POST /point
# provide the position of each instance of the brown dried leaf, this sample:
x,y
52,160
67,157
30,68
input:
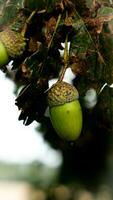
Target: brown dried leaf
x,y
78,66
24,73
49,29
68,21
97,23
32,101
33,44
70,7
59,6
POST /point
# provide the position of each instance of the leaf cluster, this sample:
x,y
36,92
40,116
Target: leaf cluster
x,y
45,25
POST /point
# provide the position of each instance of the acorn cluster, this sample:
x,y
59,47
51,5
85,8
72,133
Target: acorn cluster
x,y
64,106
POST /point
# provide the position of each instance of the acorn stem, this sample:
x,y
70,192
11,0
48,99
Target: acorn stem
x,y
66,58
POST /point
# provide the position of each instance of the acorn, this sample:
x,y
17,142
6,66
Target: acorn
x,y
4,58
65,110
12,44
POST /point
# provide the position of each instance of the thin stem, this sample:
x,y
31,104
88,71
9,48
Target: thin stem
x,y
66,58
110,1
23,32
57,23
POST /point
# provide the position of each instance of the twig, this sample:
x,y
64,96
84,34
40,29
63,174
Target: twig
x,y
23,32
66,58
57,23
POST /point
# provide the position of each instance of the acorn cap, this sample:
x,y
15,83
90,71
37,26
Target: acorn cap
x,y
61,93
13,41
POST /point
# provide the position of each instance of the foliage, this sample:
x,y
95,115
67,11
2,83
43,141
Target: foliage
x,y
46,24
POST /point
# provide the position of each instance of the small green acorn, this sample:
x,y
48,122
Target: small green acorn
x,y
65,110
4,58
12,44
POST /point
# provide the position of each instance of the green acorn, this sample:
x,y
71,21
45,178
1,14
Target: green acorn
x,y
4,58
12,44
65,110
